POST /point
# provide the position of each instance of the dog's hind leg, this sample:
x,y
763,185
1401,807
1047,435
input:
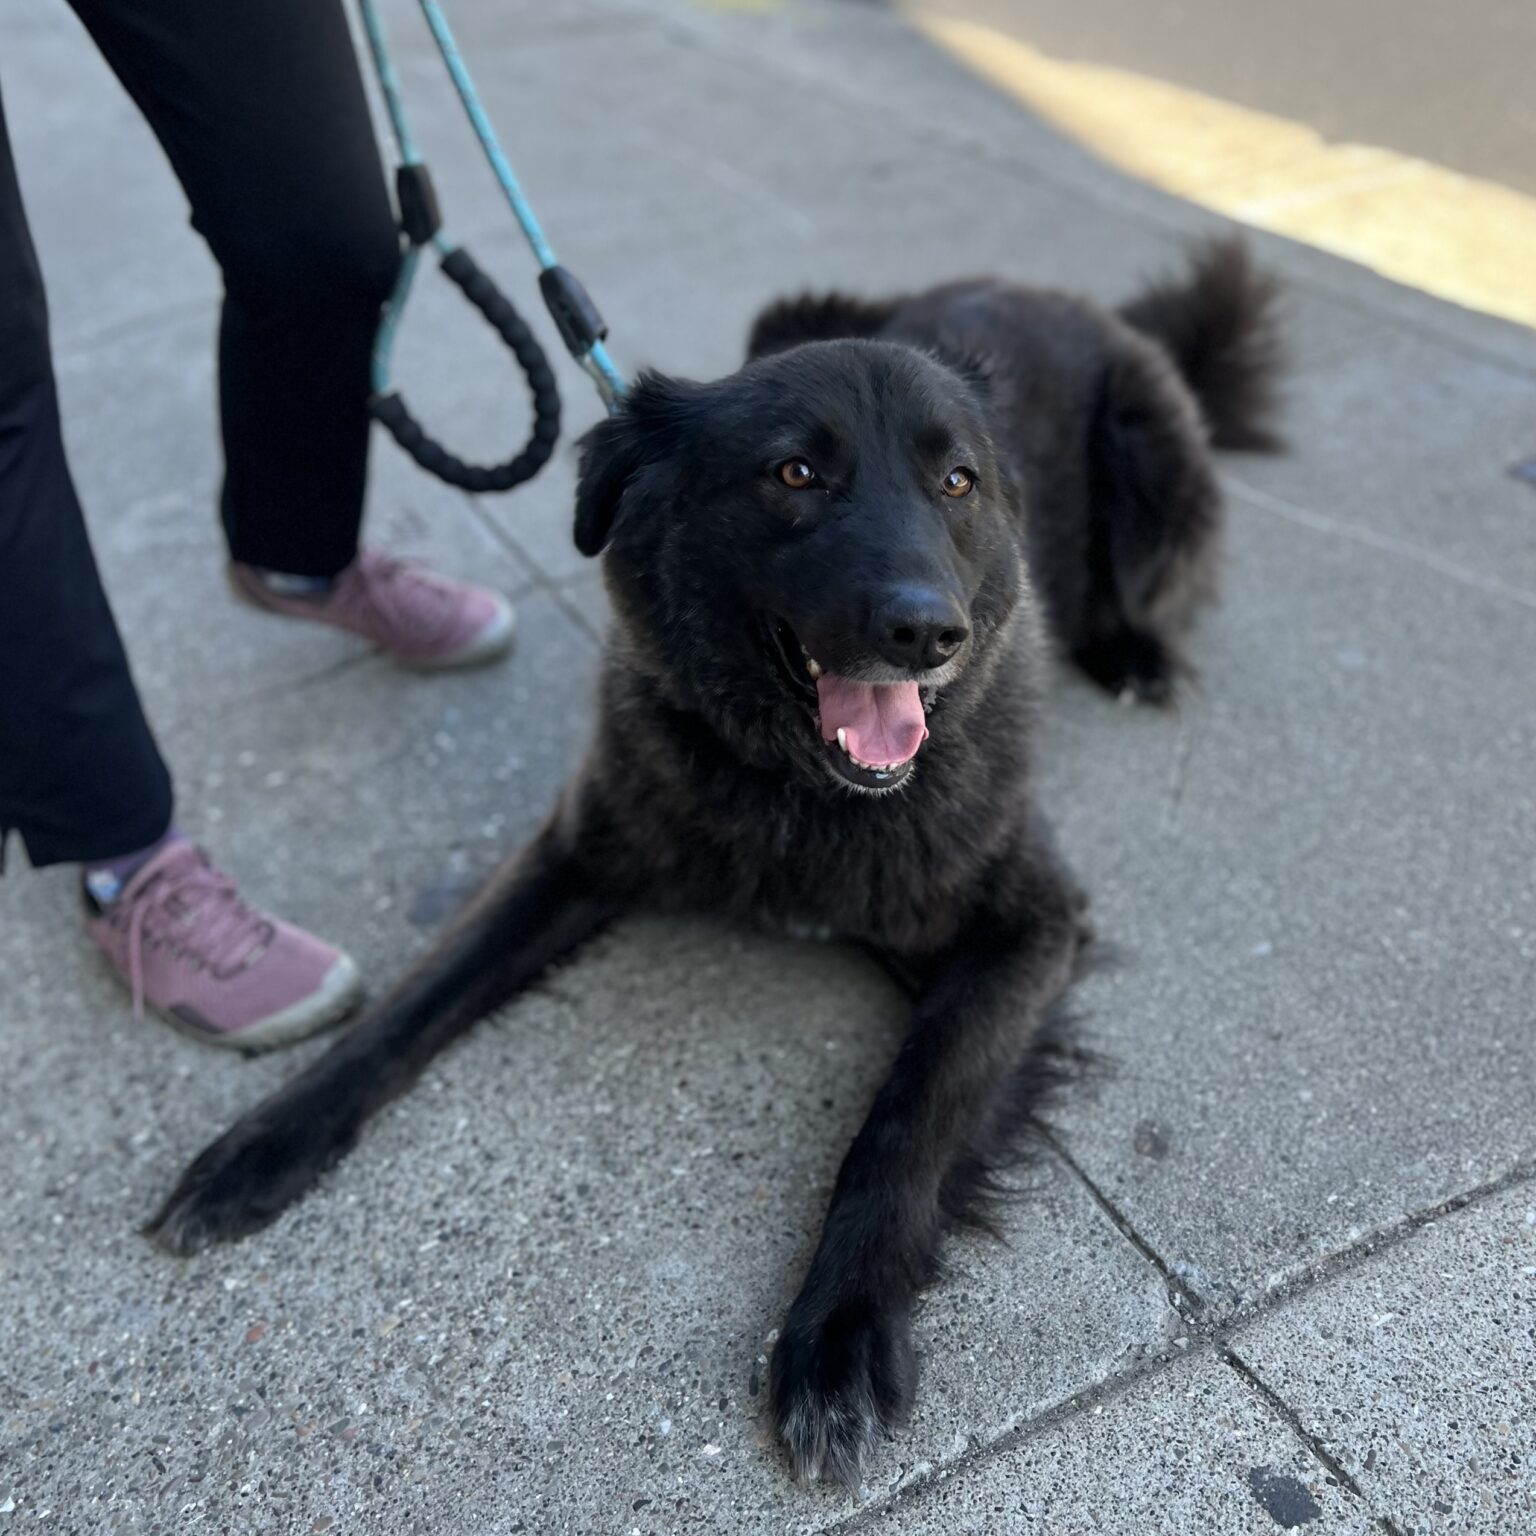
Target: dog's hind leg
x,y
844,1368
1133,664
1153,520
537,907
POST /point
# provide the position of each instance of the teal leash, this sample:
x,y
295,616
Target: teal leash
x,y
581,327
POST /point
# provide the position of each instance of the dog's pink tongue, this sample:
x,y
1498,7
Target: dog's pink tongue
x,y
882,722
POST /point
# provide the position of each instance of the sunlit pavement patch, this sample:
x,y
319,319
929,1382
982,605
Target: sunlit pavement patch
x,y
1458,237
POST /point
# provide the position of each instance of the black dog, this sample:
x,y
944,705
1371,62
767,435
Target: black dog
x,y
816,708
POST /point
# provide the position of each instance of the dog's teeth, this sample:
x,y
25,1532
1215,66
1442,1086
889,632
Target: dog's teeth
x,y
813,666
842,738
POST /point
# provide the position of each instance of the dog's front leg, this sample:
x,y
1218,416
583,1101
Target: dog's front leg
x,y
538,906
843,1368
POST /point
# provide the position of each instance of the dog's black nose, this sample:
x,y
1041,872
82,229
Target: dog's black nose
x,y
919,628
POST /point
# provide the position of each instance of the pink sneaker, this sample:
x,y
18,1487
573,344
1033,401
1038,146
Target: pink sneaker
x,y
414,615
182,939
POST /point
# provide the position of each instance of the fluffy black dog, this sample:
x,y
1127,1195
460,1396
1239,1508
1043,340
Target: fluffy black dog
x,y
833,574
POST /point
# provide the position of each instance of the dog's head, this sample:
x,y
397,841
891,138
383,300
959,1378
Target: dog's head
x,y
817,553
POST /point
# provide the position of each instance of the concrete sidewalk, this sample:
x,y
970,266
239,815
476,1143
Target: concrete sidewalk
x,y
1285,1276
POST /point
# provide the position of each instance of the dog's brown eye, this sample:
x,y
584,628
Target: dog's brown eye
x,y
959,482
796,474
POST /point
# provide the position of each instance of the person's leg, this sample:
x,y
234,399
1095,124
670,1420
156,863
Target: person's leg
x,y
81,779
261,111
80,776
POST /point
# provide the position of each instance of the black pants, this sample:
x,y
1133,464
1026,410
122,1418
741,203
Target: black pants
x,y
260,109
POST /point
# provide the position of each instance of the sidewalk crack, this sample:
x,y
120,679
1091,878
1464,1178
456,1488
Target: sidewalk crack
x,y
1096,1395
1320,522
542,580
1182,1296
1315,1447
1321,1270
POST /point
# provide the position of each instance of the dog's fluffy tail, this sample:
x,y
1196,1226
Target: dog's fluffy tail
x,y
816,317
1217,321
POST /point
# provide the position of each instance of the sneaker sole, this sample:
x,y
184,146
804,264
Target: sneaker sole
x,y
337,995
493,642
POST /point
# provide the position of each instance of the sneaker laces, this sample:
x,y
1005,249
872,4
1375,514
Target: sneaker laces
x,y
196,912
396,590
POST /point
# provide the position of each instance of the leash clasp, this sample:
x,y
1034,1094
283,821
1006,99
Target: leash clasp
x,y
570,306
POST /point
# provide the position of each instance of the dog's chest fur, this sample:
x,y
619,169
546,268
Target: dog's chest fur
x,y
704,831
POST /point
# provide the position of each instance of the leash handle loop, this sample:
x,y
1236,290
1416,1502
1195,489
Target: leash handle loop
x,y
581,327
387,408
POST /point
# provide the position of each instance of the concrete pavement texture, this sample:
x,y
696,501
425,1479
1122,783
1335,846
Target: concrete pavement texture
x,y
1282,1274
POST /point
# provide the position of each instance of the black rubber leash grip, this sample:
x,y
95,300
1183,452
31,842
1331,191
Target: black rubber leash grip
x,y
390,410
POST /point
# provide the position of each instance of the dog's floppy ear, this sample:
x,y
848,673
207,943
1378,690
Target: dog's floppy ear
x,y
610,459
649,426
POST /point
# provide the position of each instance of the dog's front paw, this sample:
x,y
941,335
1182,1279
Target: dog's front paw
x,y
841,1378
245,1179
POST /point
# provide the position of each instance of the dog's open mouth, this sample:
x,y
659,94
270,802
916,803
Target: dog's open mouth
x,y
870,732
